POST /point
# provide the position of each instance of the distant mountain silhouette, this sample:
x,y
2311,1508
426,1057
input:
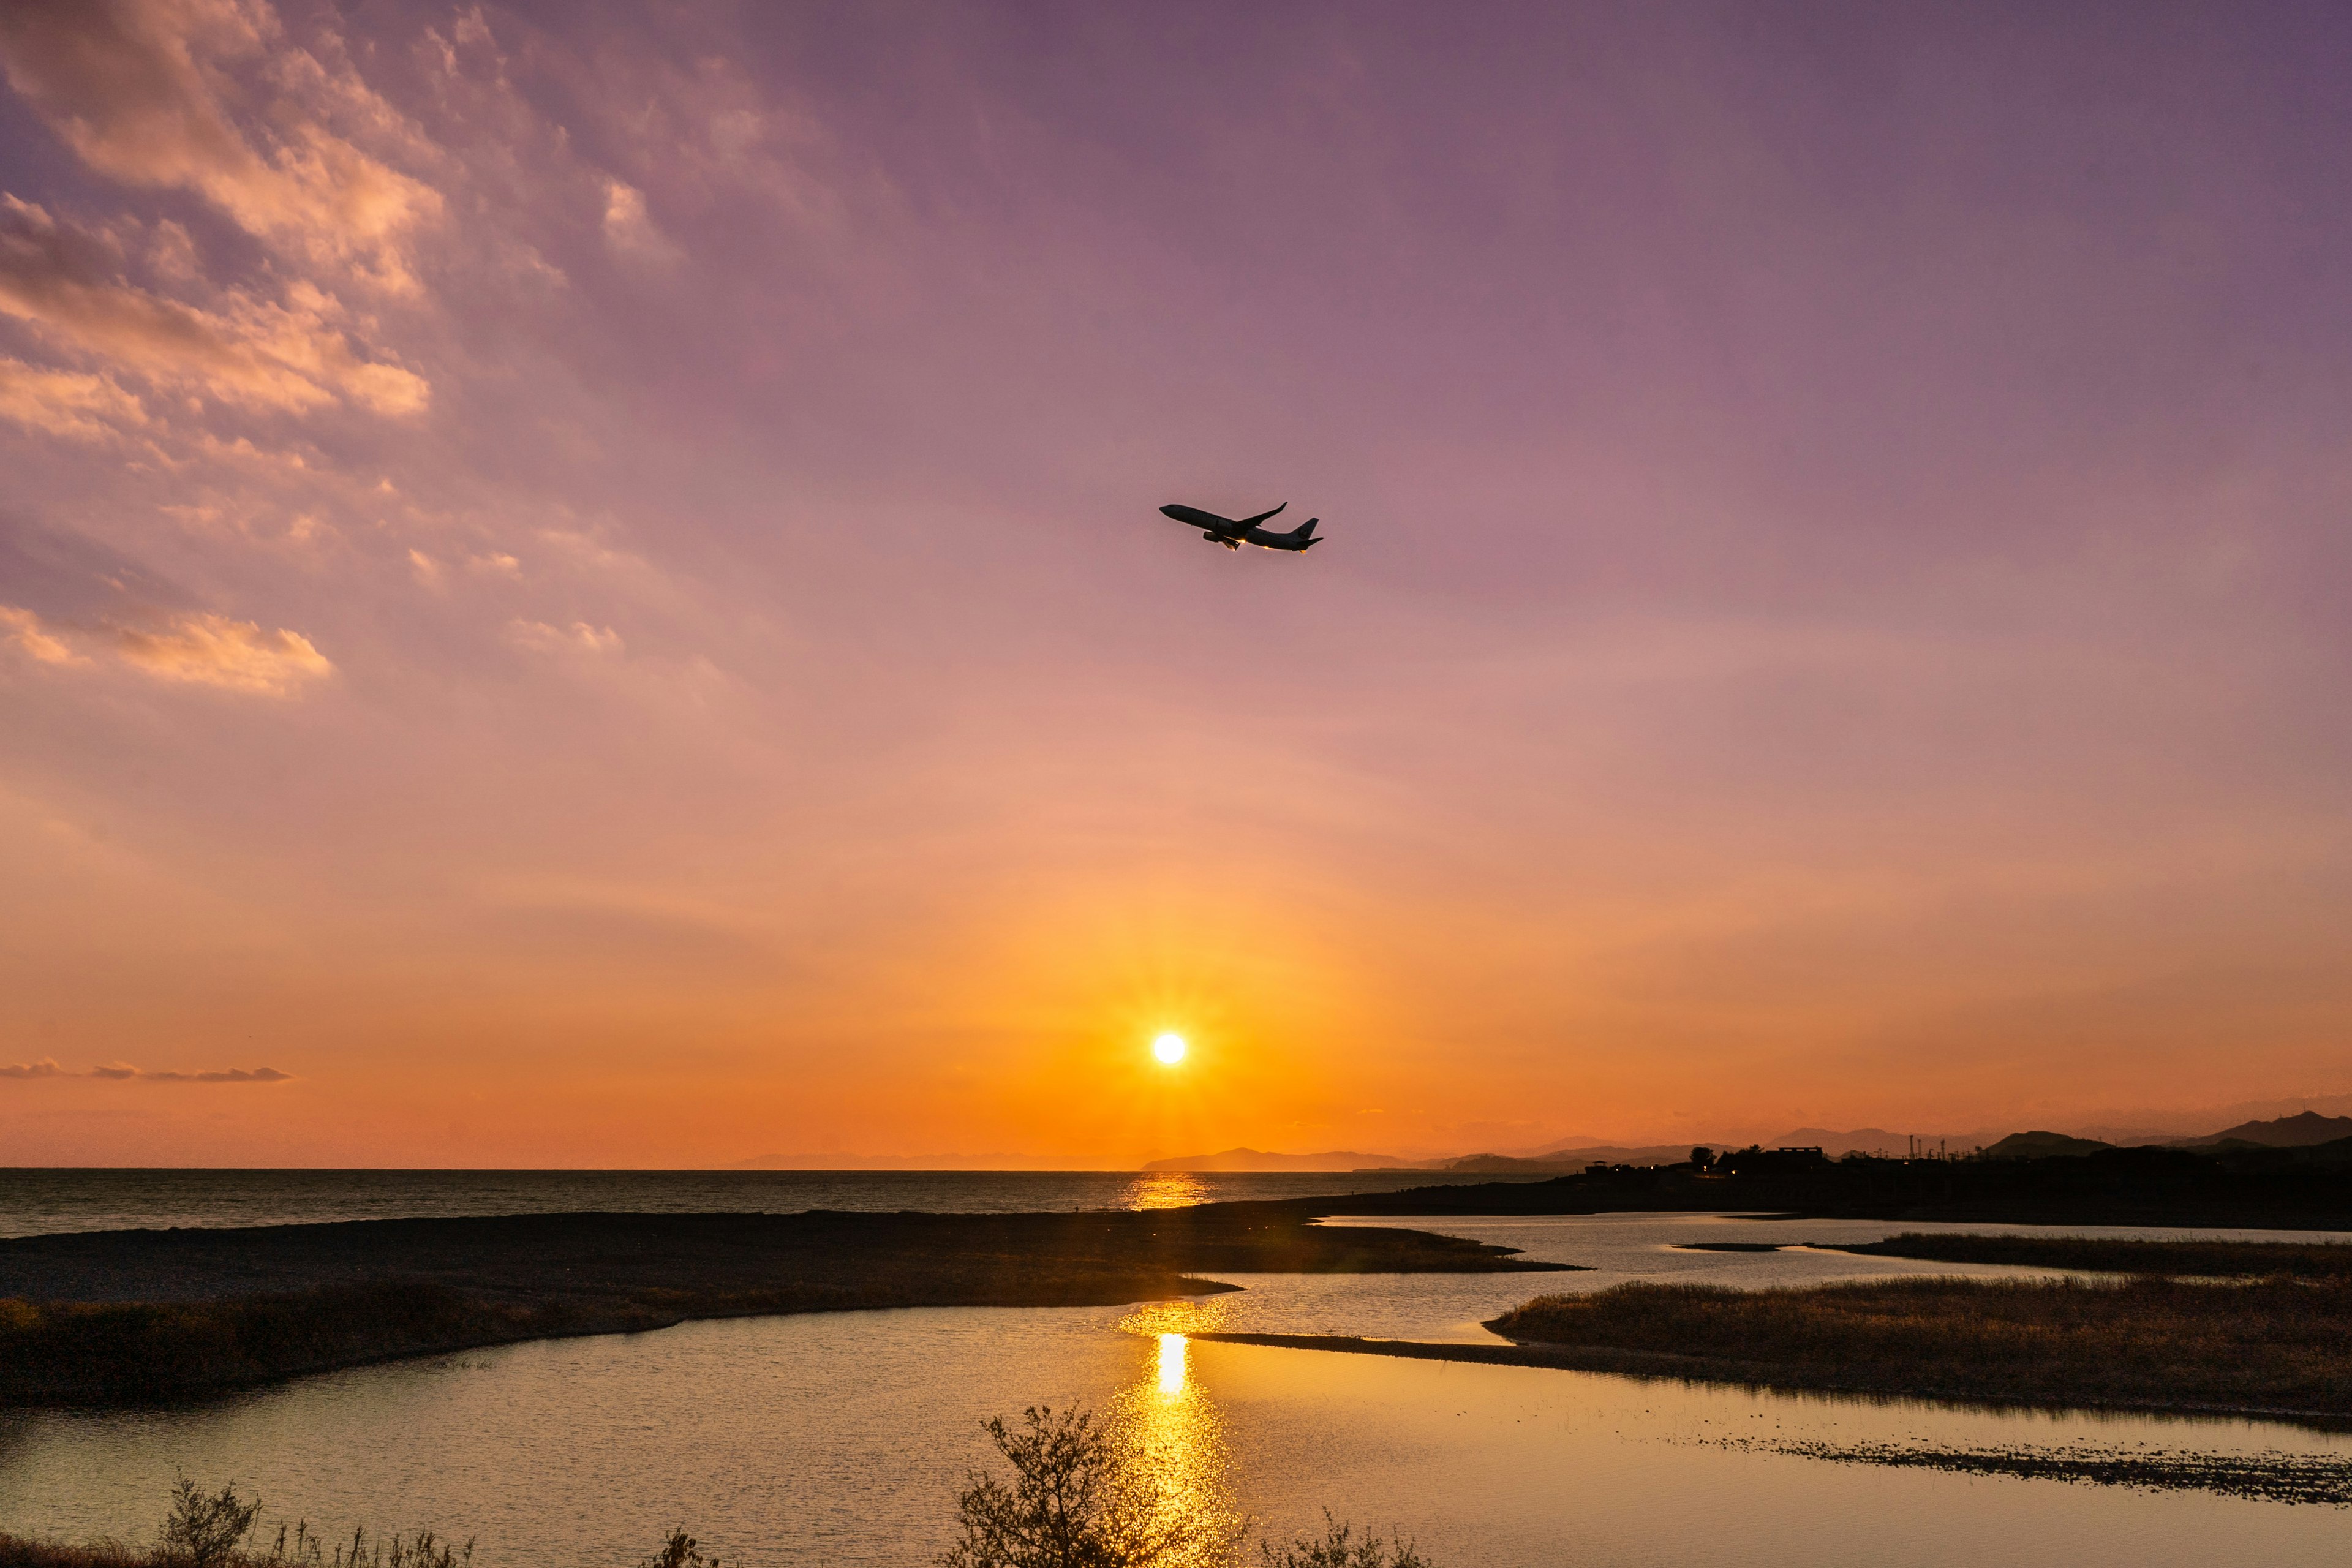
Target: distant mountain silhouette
x,y
2302,1131
1257,1160
1557,1147
2283,1132
2039,1145
1570,1159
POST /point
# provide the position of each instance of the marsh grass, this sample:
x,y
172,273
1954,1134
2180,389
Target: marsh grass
x,y
210,1530
2271,1345
141,1351
1070,1503
1339,1547
2317,1260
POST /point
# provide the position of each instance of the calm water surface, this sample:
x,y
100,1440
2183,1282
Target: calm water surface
x,y
35,1202
842,1439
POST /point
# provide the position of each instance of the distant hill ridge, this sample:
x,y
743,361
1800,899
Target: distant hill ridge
x,y
2302,1131
1259,1159
1567,1160
2282,1133
2040,1145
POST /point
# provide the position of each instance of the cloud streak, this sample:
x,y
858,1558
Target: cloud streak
x,y
122,1072
213,650
23,628
198,650
579,637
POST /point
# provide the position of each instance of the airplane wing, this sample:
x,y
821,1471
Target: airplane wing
x,y
1254,521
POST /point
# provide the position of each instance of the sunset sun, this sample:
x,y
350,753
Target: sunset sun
x,y
1169,1048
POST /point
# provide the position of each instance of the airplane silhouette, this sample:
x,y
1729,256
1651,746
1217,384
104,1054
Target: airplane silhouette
x,y
1234,533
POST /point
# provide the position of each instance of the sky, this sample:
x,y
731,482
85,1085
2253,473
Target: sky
x,y
580,585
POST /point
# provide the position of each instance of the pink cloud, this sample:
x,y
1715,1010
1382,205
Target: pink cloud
x,y
194,648
24,628
291,355
65,403
142,89
214,650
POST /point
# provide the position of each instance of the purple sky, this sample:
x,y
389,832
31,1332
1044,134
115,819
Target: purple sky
x,y
583,581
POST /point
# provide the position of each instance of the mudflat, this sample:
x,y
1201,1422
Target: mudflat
x,y
157,1314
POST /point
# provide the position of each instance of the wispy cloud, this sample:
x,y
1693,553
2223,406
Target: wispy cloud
x,y
291,355
630,230
122,1072
578,637
65,402
200,649
213,650
140,91
23,628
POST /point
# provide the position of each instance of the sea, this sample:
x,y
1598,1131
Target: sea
x,y
843,1438
43,1201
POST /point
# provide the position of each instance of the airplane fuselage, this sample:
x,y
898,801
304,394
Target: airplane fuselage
x,y
1233,533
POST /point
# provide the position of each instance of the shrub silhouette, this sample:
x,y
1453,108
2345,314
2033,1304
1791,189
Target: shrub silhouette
x,y
203,1530
1340,1548
1069,1506
679,1551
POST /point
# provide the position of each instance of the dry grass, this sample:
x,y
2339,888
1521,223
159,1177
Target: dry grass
x,y
293,1548
2318,1260
19,1551
2273,1345
136,1350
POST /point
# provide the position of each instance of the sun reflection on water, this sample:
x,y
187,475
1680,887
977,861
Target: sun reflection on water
x,y
1164,1190
1172,1364
1170,1433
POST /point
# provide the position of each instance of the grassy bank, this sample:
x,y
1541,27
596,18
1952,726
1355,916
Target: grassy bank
x,y
123,1316
75,1352
2149,1343
2106,1255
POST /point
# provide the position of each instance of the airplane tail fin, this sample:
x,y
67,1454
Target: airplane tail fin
x,y
1304,530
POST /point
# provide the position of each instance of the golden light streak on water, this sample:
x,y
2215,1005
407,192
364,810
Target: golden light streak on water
x,y
1165,1189
1173,1439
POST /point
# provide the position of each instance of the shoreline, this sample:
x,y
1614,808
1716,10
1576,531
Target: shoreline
x,y
141,1317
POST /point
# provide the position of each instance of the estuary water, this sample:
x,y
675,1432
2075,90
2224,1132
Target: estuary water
x,y
37,1202
842,1439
